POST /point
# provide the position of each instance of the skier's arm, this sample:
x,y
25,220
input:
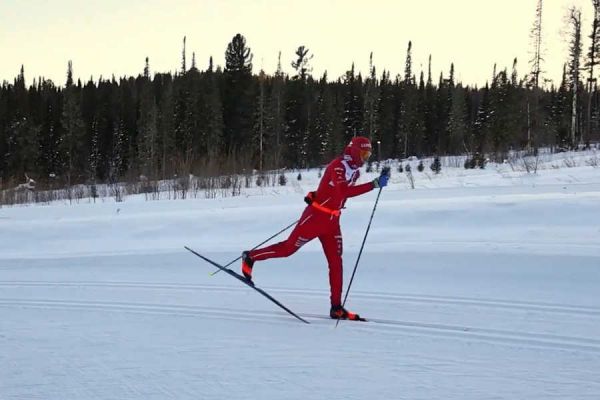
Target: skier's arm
x,y
352,191
379,182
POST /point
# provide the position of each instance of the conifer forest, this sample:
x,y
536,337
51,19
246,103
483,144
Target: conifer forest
x,y
208,120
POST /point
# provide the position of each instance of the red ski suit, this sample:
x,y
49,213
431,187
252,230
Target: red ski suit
x,y
337,184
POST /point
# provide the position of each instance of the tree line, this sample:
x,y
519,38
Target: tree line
x,y
216,120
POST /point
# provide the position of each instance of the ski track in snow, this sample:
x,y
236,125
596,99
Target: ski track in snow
x,y
477,285
497,303
375,325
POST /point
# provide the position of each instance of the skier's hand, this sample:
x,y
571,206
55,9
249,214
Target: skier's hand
x,y
310,197
382,180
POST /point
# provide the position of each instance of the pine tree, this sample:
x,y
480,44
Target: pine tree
x,y
430,138
183,58
593,59
73,135
94,156
181,136
386,115
166,124
212,116
408,76
22,132
276,118
407,135
239,97
443,107
499,121
302,63
117,158
371,102
260,120
457,123
125,128
533,109
321,136
421,116
481,123
575,50
88,113
147,128
538,57
194,127
560,112
49,160
3,122
298,110
353,105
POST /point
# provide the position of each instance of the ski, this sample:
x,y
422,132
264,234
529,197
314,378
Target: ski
x,y
247,283
360,319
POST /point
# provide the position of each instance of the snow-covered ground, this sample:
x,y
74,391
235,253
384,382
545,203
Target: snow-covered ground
x,y
480,284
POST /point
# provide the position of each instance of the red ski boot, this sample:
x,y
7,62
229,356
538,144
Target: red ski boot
x,y
247,264
339,312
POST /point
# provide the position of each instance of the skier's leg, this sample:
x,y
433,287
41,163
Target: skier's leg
x,y
303,232
333,248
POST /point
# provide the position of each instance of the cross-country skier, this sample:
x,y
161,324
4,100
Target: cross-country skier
x,y
321,219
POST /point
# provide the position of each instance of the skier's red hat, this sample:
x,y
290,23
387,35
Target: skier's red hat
x,y
358,151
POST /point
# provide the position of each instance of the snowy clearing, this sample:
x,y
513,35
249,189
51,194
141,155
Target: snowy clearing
x,y
479,284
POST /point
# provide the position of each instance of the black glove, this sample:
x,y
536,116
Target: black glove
x,y
310,197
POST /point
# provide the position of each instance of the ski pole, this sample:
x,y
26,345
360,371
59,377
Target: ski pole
x,y
257,246
385,171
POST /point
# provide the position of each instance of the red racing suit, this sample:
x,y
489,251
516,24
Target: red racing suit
x,y
337,185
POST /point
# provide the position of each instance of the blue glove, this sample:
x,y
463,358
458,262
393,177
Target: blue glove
x,y
382,180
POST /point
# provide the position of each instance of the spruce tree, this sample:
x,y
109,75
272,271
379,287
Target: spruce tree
x,y
430,138
353,105
574,65
166,124
322,130
276,110
238,95
482,122
560,114
593,59
298,110
457,124
371,102
386,109
147,128
73,134
22,147
212,116
499,122
260,121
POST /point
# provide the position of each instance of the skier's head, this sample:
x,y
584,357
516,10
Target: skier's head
x,y
358,151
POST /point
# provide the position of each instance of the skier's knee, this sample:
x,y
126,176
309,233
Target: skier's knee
x,y
290,249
